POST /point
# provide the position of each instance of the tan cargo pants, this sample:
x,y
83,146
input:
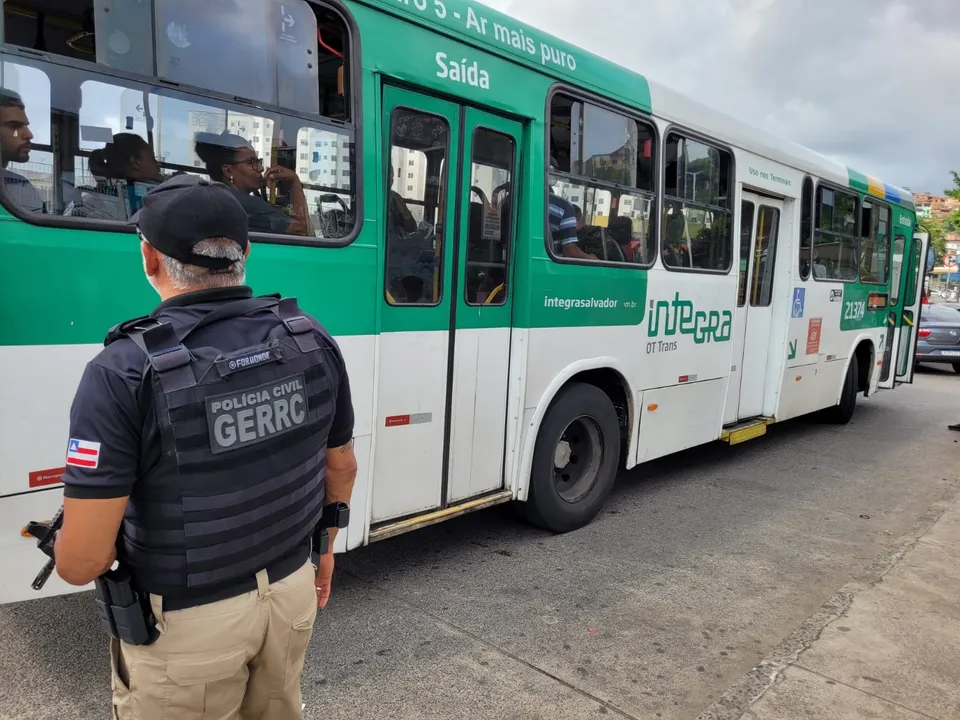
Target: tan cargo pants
x,y
237,659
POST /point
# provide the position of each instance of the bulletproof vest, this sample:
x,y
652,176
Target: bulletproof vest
x,y
240,480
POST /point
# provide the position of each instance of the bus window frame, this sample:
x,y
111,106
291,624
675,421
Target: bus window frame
x,y
877,203
734,193
754,242
813,223
354,73
638,116
894,290
510,249
917,275
452,134
816,209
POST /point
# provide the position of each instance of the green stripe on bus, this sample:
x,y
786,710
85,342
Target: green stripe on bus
x,y
580,296
858,181
861,183
64,287
492,30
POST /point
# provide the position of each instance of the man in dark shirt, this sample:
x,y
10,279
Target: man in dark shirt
x,y
242,469
15,145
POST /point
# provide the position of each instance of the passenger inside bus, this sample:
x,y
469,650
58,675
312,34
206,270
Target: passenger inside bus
x,y
819,269
128,157
408,253
231,160
676,251
564,222
400,218
620,230
15,137
124,170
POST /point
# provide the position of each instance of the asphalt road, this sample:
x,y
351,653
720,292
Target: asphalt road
x,y
698,568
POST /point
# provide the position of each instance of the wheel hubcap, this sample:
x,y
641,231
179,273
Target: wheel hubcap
x,y
577,459
562,457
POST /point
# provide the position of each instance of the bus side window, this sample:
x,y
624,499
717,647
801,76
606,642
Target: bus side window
x,y
290,54
806,227
746,240
416,187
100,143
490,221
874,243
697,207
835,237
899,245
601,184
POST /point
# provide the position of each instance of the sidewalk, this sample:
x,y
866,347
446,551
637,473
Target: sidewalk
x,y
894,652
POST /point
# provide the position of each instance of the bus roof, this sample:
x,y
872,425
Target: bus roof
x,y
501,34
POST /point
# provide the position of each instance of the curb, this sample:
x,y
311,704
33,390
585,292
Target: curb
x,y
736,701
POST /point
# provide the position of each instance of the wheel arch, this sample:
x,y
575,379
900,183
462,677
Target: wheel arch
x,y
863,351
605,373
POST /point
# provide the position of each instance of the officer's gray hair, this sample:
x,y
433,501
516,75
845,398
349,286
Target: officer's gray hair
x,y
192,277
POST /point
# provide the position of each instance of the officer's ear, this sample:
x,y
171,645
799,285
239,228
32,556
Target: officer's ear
x,y
247,253
151,259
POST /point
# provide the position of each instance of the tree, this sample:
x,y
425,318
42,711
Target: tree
x,y
938,240
938,228
951,223
954,192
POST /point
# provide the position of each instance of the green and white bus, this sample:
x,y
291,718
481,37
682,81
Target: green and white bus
x,y
719,279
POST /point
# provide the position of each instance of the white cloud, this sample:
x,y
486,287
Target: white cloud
x,y
871,83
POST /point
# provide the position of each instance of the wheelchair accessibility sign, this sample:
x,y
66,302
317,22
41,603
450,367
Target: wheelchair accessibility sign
x,y
799,297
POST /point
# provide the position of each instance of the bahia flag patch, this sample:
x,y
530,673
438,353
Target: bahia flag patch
x,y
83,453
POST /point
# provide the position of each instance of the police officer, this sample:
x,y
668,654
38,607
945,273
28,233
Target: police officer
x,y
205,440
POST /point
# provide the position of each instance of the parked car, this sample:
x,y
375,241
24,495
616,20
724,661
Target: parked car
x,y
938,340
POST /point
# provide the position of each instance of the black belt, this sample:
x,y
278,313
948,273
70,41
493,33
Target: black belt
x,y
284,567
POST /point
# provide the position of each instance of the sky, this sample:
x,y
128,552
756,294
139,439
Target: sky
x,y
870,83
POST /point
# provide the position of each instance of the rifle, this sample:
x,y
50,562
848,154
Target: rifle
x,y
46,534
124,612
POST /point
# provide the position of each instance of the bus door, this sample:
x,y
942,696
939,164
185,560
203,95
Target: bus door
x,y
753,320
899,270
444,344
916,273
899,280
484,305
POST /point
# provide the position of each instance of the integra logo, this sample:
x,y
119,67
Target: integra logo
x,y
671,317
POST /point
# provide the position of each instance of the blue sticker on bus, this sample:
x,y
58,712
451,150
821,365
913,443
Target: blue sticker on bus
x,y
799,296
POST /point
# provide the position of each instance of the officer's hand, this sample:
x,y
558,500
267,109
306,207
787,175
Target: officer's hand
x,y
324,579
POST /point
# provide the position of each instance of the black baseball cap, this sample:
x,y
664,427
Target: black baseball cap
x,y
185,210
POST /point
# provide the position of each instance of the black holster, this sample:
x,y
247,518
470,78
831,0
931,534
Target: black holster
x,y
335,515
124,611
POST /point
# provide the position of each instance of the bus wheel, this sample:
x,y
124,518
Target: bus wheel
x,y
841,413
575,460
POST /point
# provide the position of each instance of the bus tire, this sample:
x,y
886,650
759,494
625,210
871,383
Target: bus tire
x,y
956,367
575,459
842,412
